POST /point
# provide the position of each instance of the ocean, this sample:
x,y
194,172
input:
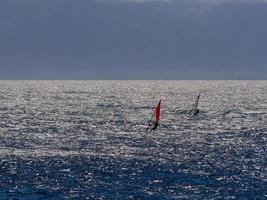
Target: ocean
x,y
87,140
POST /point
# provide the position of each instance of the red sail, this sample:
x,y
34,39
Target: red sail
x,y
157,111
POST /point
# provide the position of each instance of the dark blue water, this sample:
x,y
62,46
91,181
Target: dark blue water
x,y
86,140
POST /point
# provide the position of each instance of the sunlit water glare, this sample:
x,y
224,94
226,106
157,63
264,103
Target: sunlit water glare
x,y
87,140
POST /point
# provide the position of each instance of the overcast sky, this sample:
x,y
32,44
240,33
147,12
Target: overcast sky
x,y
133,39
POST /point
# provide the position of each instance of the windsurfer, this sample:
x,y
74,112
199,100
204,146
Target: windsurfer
x,y
154,122
152,126
195,109
195,112
155,126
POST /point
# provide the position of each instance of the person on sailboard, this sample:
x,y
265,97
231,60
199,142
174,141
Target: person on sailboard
x,y
195,109
155,126
154,122
152,126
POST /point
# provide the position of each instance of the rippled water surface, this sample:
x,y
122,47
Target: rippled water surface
x,y
87,140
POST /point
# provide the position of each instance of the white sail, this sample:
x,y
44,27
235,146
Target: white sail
x,y
195,109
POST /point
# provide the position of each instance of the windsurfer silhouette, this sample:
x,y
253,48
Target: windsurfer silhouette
x,y
152,126
154,122
195,109
195,112
155,126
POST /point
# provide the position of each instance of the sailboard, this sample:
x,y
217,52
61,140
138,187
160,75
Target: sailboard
x,y
195,109
154,121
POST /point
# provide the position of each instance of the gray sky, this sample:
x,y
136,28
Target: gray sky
x,y
133,39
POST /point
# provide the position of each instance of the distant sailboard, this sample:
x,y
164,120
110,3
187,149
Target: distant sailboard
x,y
195,109
154,122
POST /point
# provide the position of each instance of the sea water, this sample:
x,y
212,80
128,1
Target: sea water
x,y
87,140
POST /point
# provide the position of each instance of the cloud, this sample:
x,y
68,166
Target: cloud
x,y
171,39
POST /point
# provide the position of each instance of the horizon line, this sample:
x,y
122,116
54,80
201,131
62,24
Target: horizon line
x,y
133,79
